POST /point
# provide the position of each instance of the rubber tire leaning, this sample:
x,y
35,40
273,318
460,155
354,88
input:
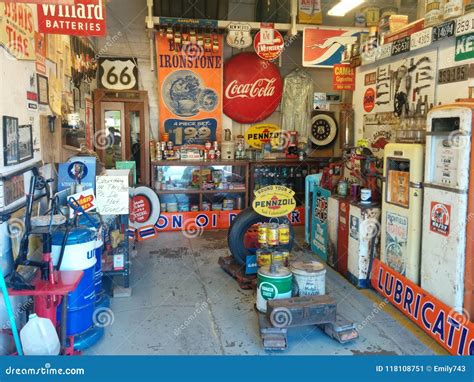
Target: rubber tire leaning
x,y
242,222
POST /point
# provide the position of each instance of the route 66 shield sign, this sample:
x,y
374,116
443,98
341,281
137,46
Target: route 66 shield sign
x,y
118,73
238,35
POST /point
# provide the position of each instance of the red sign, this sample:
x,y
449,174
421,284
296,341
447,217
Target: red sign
x,y
269,49
440,218
252,88
369,100
141,208
452,330
343,77
43,1
83,18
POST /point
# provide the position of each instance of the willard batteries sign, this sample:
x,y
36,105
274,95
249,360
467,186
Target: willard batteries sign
x,y
83,18
190,91
274,201
252,88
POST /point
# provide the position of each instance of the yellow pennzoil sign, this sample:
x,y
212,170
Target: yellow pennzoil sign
x,y
274,201
257,135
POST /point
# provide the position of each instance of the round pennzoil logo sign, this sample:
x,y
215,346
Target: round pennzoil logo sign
x,y
440,218
274,201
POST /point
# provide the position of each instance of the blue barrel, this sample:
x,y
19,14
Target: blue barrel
x,y
79,255
99,245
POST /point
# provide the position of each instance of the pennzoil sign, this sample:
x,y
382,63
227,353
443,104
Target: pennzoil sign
x,y
257,135
274,201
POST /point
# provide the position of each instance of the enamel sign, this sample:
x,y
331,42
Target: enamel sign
x,y
274,201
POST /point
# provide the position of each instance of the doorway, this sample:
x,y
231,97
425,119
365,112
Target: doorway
x,y
122,129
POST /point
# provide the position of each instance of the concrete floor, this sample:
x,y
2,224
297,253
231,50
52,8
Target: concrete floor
x,y
184,303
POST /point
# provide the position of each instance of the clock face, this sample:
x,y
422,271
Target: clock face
x,y
323,130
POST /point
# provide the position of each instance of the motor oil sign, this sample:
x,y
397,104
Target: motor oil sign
x,y
17,31
274,201
440,218
257,135
396,243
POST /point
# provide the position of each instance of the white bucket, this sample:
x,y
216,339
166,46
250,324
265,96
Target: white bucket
x,y
310,277
79,253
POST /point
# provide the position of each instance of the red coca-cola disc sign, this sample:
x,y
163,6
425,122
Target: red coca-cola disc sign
x,y
252,88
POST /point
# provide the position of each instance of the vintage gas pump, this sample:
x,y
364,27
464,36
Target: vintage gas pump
x,y
316,215
402,205
448,207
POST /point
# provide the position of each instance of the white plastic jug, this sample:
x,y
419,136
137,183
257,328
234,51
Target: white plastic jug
x,y
39,337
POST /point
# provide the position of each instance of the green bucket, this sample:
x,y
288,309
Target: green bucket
x,y
273,284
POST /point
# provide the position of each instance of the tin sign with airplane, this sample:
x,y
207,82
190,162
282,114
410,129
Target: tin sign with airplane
x,y
323,48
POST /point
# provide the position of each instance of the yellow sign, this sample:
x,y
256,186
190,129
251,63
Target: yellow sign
x,y
257,135
17,33
274,201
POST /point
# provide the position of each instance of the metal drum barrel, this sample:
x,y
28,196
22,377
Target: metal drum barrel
x,y
99,244
79,255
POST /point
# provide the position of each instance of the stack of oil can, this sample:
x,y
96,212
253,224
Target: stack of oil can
x,y
270,237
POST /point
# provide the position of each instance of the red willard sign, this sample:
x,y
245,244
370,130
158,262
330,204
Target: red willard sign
x,y
252,88
83,18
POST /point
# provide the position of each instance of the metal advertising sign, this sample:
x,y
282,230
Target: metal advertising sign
x,y
274,201
343,77
396,244
324,47
83,18
440,218
190,92
269,50
452,330
257,135
238,35
252,88
17,30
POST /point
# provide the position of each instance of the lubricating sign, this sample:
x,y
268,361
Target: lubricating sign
x,y
452,330
83,18
257,135
343,77
274,201
269,50
190,91
440,218
252,88
17,31
369,100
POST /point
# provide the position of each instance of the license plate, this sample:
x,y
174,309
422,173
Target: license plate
x,y
385,51
465,24
453,74
444,30
401,46
421,39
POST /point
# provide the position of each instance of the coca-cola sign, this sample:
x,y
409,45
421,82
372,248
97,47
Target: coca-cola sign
x,y
252,88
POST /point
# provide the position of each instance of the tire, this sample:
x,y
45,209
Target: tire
x,y
238,228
